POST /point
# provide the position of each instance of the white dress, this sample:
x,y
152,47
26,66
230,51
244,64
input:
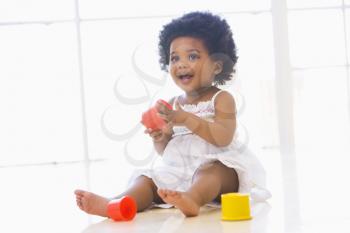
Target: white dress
x,y
186,151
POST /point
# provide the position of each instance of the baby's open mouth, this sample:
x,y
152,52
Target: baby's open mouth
x,y
185,77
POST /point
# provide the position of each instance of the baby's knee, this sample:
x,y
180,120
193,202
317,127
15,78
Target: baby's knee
x,y
210,166
205,169
145,179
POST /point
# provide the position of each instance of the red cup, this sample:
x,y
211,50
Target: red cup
x,y
151,120
123,209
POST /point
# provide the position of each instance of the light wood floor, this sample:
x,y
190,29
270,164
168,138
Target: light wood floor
x,y
172,220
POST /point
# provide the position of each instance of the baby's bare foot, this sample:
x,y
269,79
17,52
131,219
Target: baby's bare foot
x,y
180,200
91,203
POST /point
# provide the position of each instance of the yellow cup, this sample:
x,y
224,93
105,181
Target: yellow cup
x,y
235,206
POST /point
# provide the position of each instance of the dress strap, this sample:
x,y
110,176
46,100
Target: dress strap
x,y
215,95
176,99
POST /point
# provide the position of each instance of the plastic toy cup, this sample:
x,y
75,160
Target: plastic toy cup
x,y
123,209
235,207
151,120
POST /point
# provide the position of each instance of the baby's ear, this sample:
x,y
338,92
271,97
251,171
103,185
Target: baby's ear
x,y
218,67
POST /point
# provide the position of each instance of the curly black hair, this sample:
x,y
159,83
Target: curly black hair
x,y
215,33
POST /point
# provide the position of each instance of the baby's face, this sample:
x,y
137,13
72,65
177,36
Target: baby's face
x,y
190,65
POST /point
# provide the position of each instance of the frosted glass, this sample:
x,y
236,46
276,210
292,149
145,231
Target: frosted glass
x,y
24,10
118,66
110,8
40,102
313,3
40,196
253,36
347,17
321,111
254,80
322,134
316,38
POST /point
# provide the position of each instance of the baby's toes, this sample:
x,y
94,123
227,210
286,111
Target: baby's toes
x,y
79,204
79,193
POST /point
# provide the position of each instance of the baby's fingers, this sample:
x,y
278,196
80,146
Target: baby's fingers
x,y
163,116
162,108
155,134
148,131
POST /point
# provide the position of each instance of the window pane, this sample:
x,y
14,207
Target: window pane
x,y
104,173
111,8
316,38
255,76
347,15
322,139
312,3
39,94
321,111
253,37
22,10
41,192
108,57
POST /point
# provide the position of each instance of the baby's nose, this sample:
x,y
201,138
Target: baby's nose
x,y
182,64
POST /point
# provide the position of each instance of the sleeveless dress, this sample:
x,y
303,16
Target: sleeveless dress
x,y
186,152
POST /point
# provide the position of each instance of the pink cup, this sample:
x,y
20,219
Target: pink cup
x,y
151,120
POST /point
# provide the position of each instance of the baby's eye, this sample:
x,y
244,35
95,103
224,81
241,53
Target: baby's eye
x,y
193,57
174,59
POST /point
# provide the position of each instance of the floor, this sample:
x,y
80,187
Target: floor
x,y
171,220
40,199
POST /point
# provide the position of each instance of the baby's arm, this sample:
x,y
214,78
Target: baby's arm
x,y
219,132
160,140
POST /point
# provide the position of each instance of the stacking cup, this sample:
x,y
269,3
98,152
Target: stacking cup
x,y
151,120
123,209
235,207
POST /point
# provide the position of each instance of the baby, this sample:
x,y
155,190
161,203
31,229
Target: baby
x,y
201,157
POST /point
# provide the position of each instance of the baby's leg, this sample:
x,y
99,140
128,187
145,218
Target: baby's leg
x,y
209,182
143,190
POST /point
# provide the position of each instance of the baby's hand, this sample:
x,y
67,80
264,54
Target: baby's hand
x,y
160,134
173,117
156,135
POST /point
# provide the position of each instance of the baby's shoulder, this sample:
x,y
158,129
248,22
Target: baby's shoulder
x,y
222,95
223,99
